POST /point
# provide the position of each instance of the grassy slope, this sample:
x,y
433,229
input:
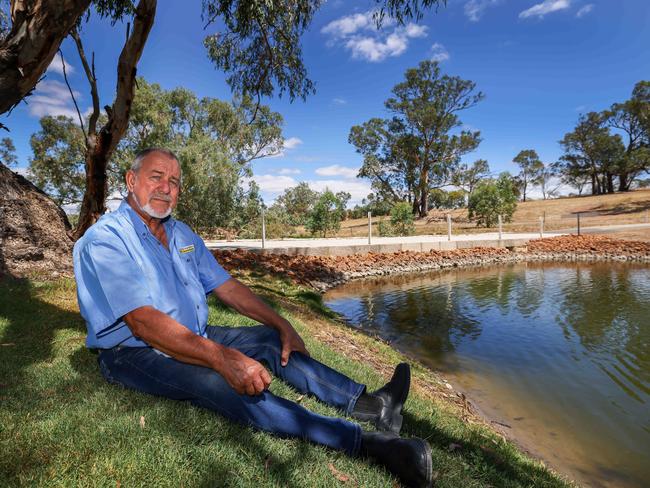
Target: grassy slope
x,y
62,424
618,208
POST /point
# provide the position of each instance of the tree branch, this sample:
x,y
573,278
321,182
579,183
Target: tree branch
x,y
74,100
90,75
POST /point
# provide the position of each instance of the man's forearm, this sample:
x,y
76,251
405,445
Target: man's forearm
x,y
243,300
159,330
164,333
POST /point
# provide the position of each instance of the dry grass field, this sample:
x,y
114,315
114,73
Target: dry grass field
x,y
559,214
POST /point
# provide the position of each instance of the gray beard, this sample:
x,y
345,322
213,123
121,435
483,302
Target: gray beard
x,y
149,210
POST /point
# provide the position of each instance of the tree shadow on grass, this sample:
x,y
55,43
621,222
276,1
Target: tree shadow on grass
x,y
29,339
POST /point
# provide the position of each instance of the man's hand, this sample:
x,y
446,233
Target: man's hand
x,y
291,341
245,375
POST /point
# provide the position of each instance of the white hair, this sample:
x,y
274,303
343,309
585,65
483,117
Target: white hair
x,y
137,162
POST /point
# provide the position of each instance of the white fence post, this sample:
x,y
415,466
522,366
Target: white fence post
x,y
500,228
263,230
369,228
449,227
541,227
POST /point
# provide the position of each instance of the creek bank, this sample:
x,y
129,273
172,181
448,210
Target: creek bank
x,y
324,272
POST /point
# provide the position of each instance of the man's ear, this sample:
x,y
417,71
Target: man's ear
x,y
130,180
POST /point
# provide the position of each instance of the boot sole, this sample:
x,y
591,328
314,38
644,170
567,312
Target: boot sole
x,y
397,419
429,479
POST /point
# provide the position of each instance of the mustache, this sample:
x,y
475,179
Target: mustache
x,y
160,196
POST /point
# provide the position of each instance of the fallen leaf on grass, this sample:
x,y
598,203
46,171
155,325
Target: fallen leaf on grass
x,y
337,474
299,399
8,344
142,421
453,447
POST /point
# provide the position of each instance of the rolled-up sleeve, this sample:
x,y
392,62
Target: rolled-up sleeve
x,y
110,284
211,273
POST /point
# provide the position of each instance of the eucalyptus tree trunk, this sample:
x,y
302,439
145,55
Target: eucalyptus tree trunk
x,y
101,145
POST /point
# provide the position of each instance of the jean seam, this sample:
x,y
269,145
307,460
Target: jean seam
x,y
135,366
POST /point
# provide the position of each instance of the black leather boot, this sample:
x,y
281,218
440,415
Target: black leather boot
x,y
407,459
384,406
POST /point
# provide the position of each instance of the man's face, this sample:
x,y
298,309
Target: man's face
x,y
156,185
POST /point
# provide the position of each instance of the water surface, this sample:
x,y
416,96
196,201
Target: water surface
x,y
560,353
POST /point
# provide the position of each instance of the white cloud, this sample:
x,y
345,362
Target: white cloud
x,y
337,170
585,10
339,101
474,9
289,171
358,34
56,66
292,143
415,30
52,98
358,189
274,183
546,7
349,25
439,53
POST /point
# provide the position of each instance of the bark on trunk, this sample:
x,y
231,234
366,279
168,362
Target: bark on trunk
x,y
101,149
38,27
610,183
623,183
594,185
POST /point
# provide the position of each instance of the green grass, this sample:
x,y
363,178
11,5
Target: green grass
x,y
61,424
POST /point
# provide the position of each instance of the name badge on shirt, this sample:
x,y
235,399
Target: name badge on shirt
x,y
186,249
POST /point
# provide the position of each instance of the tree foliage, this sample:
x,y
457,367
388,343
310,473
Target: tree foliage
x,y
326,215
7,152
492,198
467,177
416,150
214,140
592,150
297,202
609,150
401,219
530,168
57,164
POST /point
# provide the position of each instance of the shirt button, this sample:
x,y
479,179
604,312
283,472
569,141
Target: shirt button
x,y
197,307
188,260
186,283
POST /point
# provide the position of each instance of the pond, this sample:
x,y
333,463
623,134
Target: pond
x,y
559,353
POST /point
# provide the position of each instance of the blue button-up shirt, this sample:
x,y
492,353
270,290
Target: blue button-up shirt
x,y
119,266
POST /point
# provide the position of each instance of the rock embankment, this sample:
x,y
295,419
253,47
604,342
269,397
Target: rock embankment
x,y
323,272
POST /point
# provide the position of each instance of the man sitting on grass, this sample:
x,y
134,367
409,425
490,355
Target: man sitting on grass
x,y
142,281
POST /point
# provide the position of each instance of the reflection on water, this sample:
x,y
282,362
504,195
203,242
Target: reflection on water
x,y
561,353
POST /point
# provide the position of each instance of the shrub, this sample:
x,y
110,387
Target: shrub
x,y
493,198
401,219
326,215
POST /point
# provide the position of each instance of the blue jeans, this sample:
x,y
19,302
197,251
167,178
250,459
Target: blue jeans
x,y
145,370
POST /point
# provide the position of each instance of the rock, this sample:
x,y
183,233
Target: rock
x,y
34,230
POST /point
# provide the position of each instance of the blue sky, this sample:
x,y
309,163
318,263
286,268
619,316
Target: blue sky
x,y
540,64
